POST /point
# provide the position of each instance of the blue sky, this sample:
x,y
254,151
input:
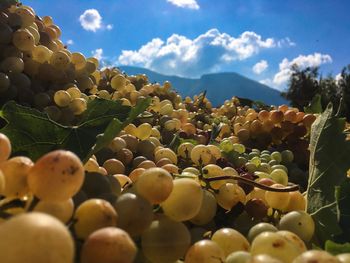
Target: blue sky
x,y
259,39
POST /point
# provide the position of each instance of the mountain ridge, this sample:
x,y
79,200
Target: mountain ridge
x,y
219,86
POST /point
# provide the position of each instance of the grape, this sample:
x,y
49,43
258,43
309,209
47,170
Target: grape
x,y
260,228
63,211
165,241
294,239
78,60
114,166
276,116
108,244
211,171
240,148
200,155
204,251
229,195
62,98
184,201
5,33
117,144
15,171
215,151
27,16
23,40
226,145
256,208
274,245
276,156
277,200
35,238
118,82
296,202
317,256
298,222
184,150
4,82
59,60
12,64
78,106
96,184
279,166
155,185
135,213
279,176
5,148
207,210
165,153
146,148
93,214
41,100
344,258
56,176
287,156
264,259
230,240
238,257
53,112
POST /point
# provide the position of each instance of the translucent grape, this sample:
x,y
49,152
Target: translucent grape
x,y
260,228
230,240
207,210
62,98
229,195
204,251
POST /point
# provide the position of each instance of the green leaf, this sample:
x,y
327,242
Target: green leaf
x,y
342,195
33,134
329,162
315,105
335,248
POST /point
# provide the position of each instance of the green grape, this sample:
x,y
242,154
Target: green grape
x,y
207,210
230,240
165,241
266,156
279,166
63,211
287,156
256,161
318,256
279,176
135,213
23,40
92,215
229,195
238,257
204,251
12,64
226,145
240,148
298,222
155,185
4,82
251,168
109,244
260,228
264,167
62,98
272,163
28,237
177,205
77,105
277,156
276,246
56,176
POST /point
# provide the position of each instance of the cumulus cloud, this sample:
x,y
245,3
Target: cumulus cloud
x,y
285,42
98,53
260,67
91,20
190,4
302,61
182,56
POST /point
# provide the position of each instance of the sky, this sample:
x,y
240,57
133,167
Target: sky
x,y
260,39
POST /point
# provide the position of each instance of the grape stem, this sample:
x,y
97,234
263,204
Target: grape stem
x,y
289,188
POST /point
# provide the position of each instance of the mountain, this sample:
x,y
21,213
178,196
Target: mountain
x,y
219,86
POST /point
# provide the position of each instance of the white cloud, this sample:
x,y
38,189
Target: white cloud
x,y
260,67
191,4
267,82
182,56
109,27
286,42
98,53
302,61
338,78
70,42
91,20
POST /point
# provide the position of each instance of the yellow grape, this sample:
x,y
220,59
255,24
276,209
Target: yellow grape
x,y
165,153
93,214
78,60
184,150
78,106
205,251
63,211
108,245
155,185
201,155
35,238
277,200
118,82
165,240
318,256
5,147
207,210
62,98
59,60
56,176
23,40
229,195
211,171
177,206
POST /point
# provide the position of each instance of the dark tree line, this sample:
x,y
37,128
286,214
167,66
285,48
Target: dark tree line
x,y
304,84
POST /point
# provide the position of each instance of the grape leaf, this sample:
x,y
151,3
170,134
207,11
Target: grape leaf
x,y
315,105
335,248
329,162
33,134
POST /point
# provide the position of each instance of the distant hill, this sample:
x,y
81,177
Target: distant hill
x,y
219,86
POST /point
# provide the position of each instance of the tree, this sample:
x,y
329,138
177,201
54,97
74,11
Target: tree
x,y
303,86
344,84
